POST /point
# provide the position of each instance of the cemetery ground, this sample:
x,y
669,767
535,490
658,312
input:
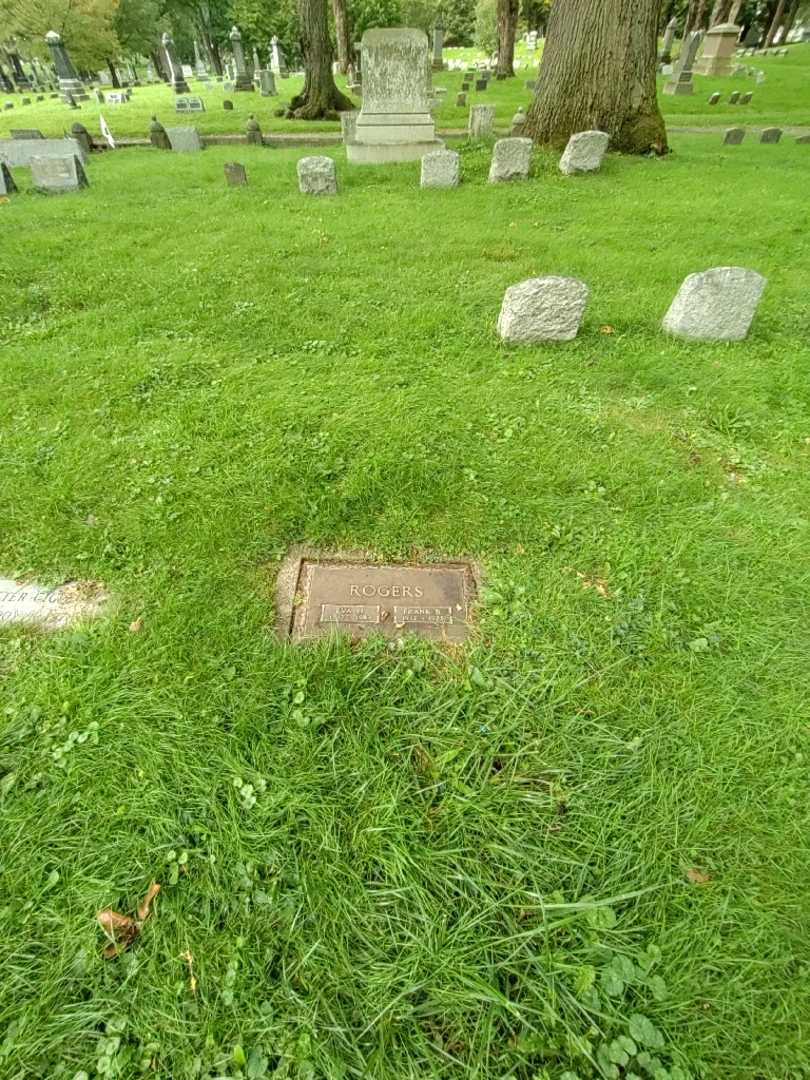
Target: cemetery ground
x,y
781,101
582,837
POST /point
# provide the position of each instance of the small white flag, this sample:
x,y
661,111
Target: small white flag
x,y
105,131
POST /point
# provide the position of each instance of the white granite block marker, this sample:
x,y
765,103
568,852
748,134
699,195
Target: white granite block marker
x,y
53,176
584,152
28,604
395,122
510,160
440,169
543,309
481,121
715,305
184,140
317,176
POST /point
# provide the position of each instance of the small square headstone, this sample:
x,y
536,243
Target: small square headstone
x,y
713,100
510,160
316,175
440,169
184,140
227,105
54,175
715,305
803,140
480,84
746,98
771,135
235,174
734,98
734,136
189,104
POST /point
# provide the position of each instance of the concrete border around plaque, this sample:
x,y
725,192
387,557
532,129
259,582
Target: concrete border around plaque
x,y
320,593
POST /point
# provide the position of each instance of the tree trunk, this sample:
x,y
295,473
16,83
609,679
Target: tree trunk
x,y
508,11
777,18
721,12
320,99
598,72
113,75
695,17
787,22
342,36
158,63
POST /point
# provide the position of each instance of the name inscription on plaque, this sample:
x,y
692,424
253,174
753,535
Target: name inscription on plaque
x,y
359,599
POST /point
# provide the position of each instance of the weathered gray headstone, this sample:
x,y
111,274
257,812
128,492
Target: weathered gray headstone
x,y
21,151
29,604
54,175
348,125
69,82
770,135
26,133
227,105
235,174
440,169
713,100
543,309
803,140
584,152
734,97
189,104
733,136
461,99
253,131
267,83
481,84
395,123
7,185
518,121
510,160
481,121
82,136
176,76
157,135
243,81
317,176
715,305
746,98
682,75
184,140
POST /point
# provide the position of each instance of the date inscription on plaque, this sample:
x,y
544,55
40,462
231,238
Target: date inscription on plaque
x,y
360,598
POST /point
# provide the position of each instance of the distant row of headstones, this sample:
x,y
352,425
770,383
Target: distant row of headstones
x,y
735,98
734,136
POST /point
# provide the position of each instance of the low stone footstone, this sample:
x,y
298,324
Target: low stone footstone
x,y
253,131
481,121
53,175
481,84
317,176
771,135
746,98
461,99
543,309
803,140
715,305
235,174
157,135
734,98
227,105
7,185
510,160
440,169
733,136
348,125
29,604
184,140
713,100
584,152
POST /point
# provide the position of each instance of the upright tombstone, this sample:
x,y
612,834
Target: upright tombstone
x,y
481,121
22,151
770,135
200,69
438,45
395,123
715,98
584,152
235,174
278,65
669,37
69,82
715,305
542,309
242,81
461,100
316,175
746,98
257,67
733,136
682,76
82,136
734,97
7,185
176,77
440,169
253,131
348,125
157,135
6,85
54,175
717,53
18,75
184,140
267,83
510,160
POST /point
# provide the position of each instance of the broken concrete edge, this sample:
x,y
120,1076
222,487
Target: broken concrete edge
x,y
288,576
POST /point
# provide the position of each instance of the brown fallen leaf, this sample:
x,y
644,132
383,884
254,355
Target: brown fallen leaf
x,y
192,979
121,930
597,583
136,626
697,877
606,329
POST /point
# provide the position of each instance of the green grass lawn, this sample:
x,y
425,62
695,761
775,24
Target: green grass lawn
x,y
577,847
783,99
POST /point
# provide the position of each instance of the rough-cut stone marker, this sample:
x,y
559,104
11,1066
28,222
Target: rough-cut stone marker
x,y
715,305
771,135
734,97
184,140
316,175
56,175
584,152
713,100
28,604
746,98
227,105
510,160
235,174
803,140
543,309
482,119
440,169
733,136
7,185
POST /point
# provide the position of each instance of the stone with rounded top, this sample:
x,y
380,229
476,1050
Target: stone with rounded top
x,y
715,305
584,152
481,121
317,175
771,135
235,174
542,309
510,160
733,136
440,169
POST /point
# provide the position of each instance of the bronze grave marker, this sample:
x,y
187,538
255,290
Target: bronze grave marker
x,y
320,596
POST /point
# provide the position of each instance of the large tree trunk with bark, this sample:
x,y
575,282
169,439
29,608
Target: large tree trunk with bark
x,y
508,11
342,36
598,72
777,19
113,75
695,17
320,98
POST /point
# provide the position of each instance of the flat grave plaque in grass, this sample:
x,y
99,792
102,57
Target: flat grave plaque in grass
x,y
319,596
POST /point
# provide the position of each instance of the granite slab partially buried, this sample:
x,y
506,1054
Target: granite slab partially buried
x,y
29,604
320,596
